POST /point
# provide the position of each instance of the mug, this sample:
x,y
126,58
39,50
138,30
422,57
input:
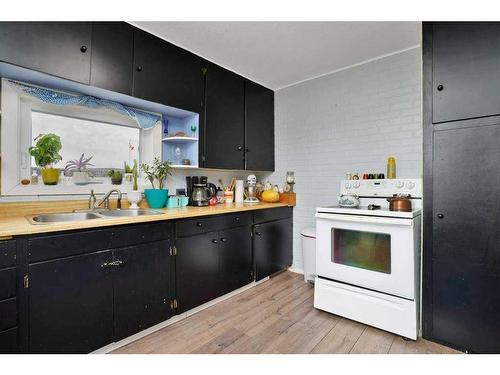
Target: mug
x,y
173,201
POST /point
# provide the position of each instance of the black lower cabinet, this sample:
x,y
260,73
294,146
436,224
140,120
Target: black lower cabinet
x,y
76,293
196,270
235,254
71,304
8,341
141,283
272,246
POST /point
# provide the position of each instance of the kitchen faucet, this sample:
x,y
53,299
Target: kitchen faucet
x,y
92,199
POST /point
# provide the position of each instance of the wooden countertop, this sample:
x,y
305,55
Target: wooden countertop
x,y
19,225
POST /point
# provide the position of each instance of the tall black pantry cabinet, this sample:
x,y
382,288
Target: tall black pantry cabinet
x,y
461,255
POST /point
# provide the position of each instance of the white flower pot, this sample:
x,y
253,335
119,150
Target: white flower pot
x,y
128,178
81,178
134,197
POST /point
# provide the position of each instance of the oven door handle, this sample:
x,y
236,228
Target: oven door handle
x,y
365,219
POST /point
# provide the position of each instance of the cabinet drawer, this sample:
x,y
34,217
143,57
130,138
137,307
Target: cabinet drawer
x,y
236,220
136,234
66,244
7,283
8,341
271,214
8,313
197,226
7,253
81,242
214,223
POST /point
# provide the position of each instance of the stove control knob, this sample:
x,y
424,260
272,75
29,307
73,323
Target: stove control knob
x,y
355,184
410,184
347,185
399,184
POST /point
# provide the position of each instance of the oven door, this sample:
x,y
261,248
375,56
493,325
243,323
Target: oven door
x,y
376,253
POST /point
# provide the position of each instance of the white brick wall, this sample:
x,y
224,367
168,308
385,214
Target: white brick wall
x,y
348,121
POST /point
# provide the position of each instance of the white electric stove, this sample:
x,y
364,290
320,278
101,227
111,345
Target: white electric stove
x,y
368,260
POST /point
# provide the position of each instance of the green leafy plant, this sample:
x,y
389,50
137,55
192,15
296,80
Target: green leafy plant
x,y
116,176
46,150
134,172
157,171
127,168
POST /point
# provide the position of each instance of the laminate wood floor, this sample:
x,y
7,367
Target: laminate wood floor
x,y
276,316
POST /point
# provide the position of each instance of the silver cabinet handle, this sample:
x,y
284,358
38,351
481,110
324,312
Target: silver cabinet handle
x,y
115,263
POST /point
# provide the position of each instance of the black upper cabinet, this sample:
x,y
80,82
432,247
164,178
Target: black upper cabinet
x,y
272,246
259,127
62,49
167,74
224,127
71,304
465,66
112,56
142,290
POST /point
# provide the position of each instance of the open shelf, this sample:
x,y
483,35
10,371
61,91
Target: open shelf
x,y
176,148
180,139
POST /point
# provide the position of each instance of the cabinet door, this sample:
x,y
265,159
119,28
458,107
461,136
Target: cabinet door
x,y
62,49
167,74
235,254
196,270
272,246
112,56
259,127
466,62
70,304
141,286
466,242
224,127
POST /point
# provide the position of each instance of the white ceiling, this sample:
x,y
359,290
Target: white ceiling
x,y
279,54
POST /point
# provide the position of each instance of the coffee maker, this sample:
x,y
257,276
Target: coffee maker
x,y
199,190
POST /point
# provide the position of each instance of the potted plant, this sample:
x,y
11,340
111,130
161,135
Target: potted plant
x,y
157,172
116,177
81,175
46,154
128,173
135,195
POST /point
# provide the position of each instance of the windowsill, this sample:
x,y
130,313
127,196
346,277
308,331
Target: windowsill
x,y
69,189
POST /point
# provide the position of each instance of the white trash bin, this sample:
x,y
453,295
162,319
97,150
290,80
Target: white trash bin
x,y
308,237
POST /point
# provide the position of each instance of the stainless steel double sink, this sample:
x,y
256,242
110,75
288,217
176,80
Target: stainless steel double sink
x,y
69,217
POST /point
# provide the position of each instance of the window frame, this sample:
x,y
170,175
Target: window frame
x,y
16,138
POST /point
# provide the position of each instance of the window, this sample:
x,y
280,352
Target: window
x,y
109,144
111,138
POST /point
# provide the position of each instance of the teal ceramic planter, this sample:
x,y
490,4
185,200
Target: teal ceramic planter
x,y
156,198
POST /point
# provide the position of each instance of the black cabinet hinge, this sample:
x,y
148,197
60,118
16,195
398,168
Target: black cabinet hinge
x,y
173,251
173,304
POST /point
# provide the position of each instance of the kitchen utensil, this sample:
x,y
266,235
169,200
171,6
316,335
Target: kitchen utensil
x,y
374,207
400,202
348,200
